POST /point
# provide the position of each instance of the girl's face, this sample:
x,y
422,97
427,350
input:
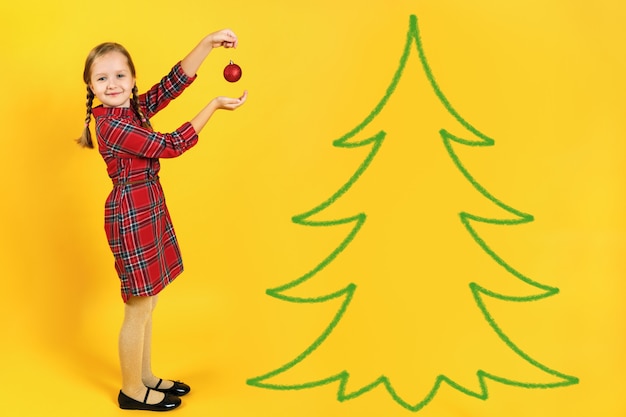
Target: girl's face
x,y
111,80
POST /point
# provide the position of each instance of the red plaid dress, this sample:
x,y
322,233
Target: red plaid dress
x,y
136,220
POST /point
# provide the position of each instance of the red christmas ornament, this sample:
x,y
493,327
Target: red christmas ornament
x,y
232,72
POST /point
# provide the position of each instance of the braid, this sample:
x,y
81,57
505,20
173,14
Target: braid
x,y
85,139
145,122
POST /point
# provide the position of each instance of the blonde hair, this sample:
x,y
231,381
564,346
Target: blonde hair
x,y
98,51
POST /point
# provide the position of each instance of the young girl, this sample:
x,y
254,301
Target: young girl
x,y
136,219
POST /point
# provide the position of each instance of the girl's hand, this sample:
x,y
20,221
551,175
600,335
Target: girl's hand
x,y
224,37
194,59
228,103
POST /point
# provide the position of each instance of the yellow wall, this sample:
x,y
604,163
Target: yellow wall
x,y
543,79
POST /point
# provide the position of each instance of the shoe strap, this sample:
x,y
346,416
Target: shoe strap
x,y
145,400
158,383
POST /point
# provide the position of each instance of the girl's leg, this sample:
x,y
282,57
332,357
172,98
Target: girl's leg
x,y
149,380
137,313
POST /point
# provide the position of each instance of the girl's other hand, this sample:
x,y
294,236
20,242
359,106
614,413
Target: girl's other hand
x,y
229,103
226,103
224,37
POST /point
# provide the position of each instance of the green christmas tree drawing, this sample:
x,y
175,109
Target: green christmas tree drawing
x,y
418,327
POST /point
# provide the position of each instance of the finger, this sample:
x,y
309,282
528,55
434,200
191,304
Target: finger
x,y
232,38
230,34
234,103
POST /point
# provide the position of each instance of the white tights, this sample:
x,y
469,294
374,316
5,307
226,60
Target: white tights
x,y
135,350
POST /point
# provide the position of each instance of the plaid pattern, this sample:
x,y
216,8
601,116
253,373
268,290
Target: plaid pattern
x,y
136,220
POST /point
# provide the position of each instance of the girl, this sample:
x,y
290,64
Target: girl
x,y
136,219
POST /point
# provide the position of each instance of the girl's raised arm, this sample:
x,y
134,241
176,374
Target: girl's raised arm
x,y
191,63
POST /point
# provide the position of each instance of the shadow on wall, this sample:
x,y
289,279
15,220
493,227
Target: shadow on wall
x,y
66,268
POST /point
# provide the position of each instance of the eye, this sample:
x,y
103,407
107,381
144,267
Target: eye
x,y
121,75
100,78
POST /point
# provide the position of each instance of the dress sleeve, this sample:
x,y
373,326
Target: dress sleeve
x,y
124,139
170,87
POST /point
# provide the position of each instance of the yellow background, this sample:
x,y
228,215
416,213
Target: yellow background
x,y
545,79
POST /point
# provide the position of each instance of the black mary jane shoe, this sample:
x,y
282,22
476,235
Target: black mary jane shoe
x,y
168,403
178,389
